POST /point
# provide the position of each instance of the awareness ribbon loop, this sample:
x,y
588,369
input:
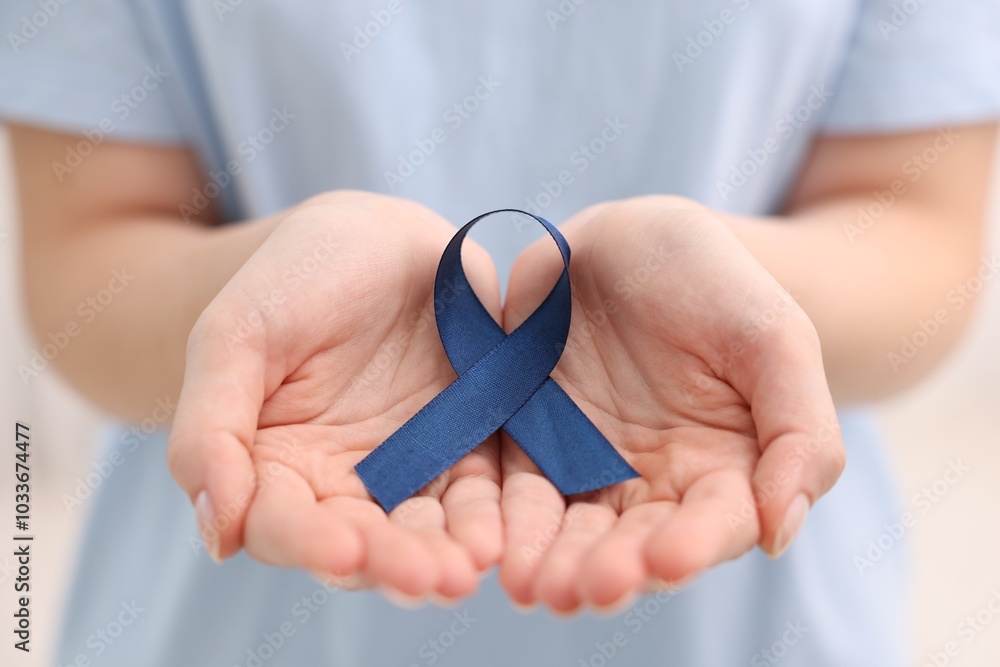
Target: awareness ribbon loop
x,y
503,382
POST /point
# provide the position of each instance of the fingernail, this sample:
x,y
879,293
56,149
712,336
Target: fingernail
x,y
661,585
795,516
349,582
401,599
523,607
616,607
204,512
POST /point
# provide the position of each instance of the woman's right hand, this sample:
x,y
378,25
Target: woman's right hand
x,y
319,348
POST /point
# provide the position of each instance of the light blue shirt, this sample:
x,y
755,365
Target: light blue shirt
x,y
547,106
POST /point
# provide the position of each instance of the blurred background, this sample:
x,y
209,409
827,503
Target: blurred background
x,y
952,420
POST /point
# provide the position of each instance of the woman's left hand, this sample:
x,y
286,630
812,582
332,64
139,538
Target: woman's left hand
x,y
707,377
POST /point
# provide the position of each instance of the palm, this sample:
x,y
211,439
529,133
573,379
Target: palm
x,y
354,355
661,359
324,418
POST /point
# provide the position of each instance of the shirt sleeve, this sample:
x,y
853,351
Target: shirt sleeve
x,y
83,66
916,64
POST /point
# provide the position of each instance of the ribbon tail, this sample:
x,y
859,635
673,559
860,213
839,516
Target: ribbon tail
x,y
565,444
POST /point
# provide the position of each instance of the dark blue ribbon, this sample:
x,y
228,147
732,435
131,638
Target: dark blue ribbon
x,y
503,382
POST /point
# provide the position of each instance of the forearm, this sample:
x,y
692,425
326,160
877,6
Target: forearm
x,y
122,296
889,301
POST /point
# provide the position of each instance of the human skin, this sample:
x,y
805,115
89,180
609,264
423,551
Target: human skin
x,y
120,208
707,437
732,411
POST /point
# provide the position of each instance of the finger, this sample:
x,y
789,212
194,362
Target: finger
x,y
351,582
539,265
615,567
472,507
424,517
387,555
482,276
803,454
209,447
534,272
287,527
532,510
584,524
400,560
706,529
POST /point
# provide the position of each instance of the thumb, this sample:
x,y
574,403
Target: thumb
x,y
209,448
802,451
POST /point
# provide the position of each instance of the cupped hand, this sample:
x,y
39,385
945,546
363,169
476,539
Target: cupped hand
x,y
708,378
321,346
